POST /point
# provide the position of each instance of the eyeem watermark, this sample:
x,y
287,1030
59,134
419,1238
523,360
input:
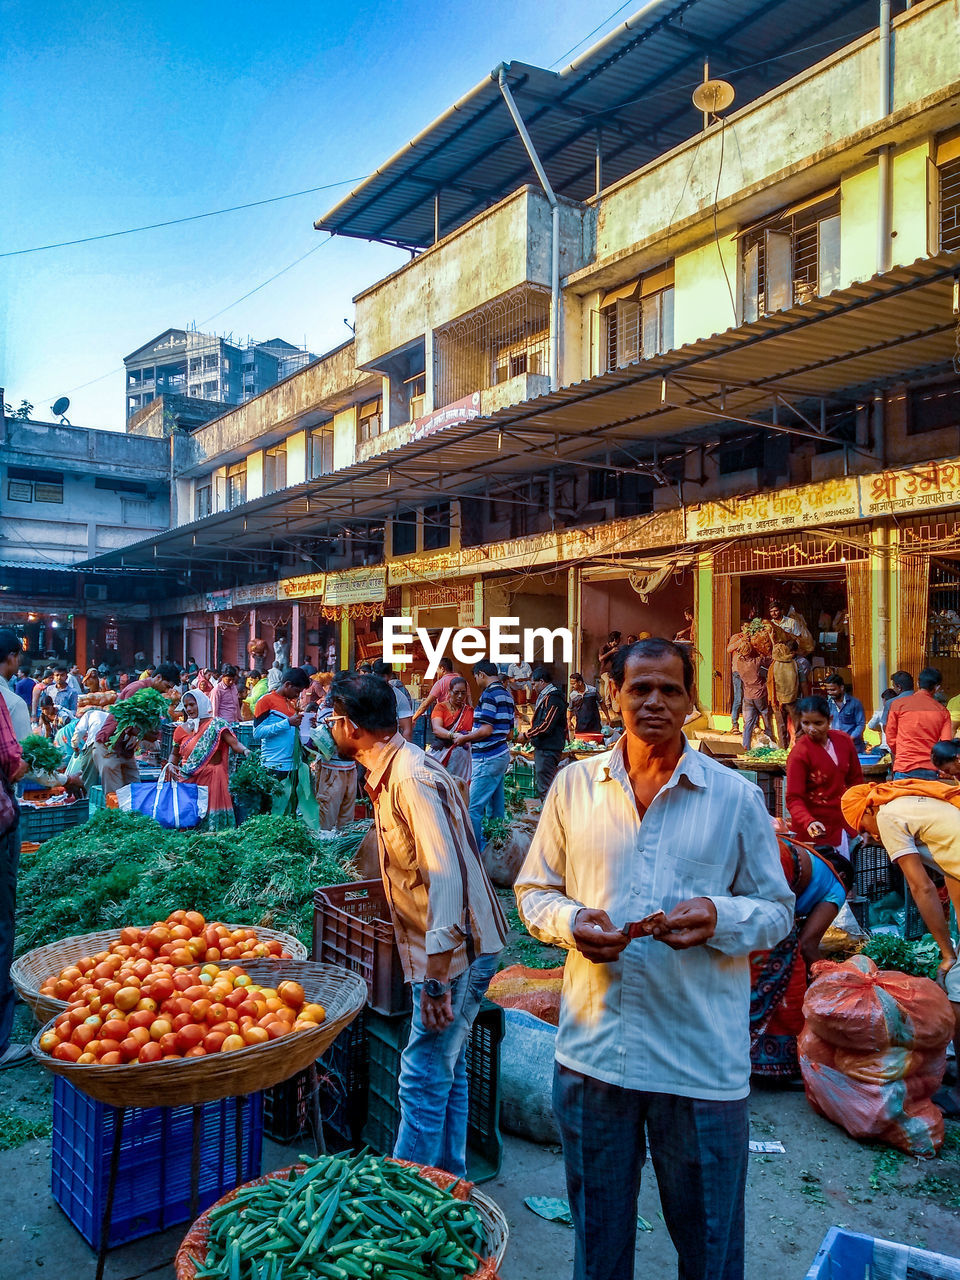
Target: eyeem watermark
x,y
505,641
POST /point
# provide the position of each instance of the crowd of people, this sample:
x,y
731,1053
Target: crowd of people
x,y
690,917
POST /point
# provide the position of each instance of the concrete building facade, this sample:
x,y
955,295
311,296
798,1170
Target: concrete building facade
x,y
606,391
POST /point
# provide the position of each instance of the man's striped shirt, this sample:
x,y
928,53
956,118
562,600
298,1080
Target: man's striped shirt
x,y
495,708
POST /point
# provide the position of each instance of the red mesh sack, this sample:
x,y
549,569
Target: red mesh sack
x,y
855,1005
537,991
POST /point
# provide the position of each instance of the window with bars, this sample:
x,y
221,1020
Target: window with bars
x,y
949,205
637,321
321,451
791,257
504,339
370,419
404,533
236,491
436,526
203,501
275,468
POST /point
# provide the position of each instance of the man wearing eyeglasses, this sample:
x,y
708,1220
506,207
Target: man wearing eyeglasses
x,y
449,925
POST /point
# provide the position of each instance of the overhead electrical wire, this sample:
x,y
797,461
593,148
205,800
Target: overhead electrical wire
x,y
597,28
174,222
283,270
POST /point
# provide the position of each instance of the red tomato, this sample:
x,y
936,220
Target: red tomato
x,y
150,1053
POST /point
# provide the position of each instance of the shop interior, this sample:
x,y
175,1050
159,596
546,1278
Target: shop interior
x,y
608,602
819,598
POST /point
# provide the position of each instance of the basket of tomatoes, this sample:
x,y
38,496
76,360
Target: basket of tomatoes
x,y
48,977
191,1035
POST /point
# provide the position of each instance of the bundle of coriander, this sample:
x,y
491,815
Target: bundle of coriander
x,y
122,868
142,711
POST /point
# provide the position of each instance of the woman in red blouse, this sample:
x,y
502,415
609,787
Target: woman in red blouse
x,y
820,768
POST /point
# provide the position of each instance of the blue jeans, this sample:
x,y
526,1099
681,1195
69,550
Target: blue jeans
x,y
486,790
737,707
699,1153
932,774
434,1100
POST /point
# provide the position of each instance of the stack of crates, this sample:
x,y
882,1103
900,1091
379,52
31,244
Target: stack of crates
x,y
352,928
153,1179
46,821
873,871
342,1087
386,1037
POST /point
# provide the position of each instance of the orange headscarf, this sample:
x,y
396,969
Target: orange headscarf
x,y
857,800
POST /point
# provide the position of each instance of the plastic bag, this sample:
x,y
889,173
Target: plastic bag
x,y
855,1005
173,804
900,1112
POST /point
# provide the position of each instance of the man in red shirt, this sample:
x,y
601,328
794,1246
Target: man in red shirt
x,y
752,670
916,721
163,680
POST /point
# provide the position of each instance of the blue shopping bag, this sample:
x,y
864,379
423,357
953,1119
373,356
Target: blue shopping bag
x,y
173,804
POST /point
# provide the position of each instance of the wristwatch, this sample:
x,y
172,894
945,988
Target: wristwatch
x,y
436,989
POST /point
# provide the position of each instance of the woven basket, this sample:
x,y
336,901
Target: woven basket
x,y
495,1230
179,1082
30,970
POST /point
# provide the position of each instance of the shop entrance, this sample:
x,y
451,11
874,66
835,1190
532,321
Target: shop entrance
x,y
609,601
943,628
816,604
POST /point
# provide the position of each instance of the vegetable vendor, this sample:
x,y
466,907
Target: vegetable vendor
x,y
448,922
778,977
917,820
132,720
820,768
548,729
201,754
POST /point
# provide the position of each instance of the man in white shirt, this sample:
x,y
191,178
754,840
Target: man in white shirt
x,y
654,1031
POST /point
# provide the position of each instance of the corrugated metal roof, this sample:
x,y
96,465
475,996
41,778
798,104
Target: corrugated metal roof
x,y
871,334
633,87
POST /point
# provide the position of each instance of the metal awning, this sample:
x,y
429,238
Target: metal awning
x,y
873,334
628,97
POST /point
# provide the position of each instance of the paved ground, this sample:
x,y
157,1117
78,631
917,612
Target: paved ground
x,y
824,1178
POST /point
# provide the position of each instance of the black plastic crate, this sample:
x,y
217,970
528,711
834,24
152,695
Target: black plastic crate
x,y
872,871
165,745
153,1179
387,1037
46,821
341,1081
352,928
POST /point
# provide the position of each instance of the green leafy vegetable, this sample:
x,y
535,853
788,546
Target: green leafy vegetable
x,y
40,754
143,711
252,783
919,959
123,868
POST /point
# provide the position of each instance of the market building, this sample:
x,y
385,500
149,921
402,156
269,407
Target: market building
x,y
641,360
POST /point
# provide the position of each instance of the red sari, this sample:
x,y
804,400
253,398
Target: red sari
x,y
205,759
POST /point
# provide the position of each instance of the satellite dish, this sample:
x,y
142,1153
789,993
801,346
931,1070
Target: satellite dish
x,y
59,408
713,97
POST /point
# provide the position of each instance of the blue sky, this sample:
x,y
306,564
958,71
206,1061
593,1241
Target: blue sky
x,y
115,115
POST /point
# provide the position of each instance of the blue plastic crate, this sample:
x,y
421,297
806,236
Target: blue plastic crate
x,y
847,1255
153,1181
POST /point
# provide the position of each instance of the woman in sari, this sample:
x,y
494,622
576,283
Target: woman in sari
x,y
779,977
451,716
201,754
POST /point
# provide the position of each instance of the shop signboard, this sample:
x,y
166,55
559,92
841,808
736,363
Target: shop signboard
x,y
930,484
828,502
217,601
451,415
308,586
356,586
542,550
259,593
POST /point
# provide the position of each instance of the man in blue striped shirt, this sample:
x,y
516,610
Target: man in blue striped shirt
x,y
489,746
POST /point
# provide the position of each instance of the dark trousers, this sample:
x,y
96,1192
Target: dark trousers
x,y
9,861
545,766
699,1153
753,709
786,716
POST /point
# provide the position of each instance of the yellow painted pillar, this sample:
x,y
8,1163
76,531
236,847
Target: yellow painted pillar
x,y
573,617
893,599
703,629
346,645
